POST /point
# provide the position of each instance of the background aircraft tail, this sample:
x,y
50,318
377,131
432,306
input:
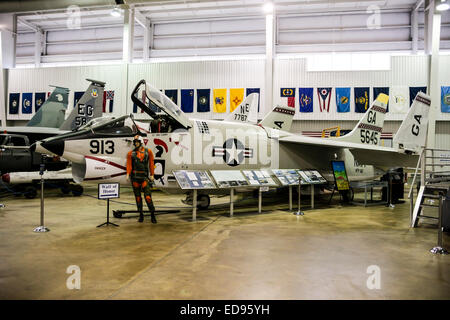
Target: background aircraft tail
x,y
412,134
368,130
89,106
51,113
247,111
279,118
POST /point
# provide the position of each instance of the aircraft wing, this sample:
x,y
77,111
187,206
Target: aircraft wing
x,y
363,153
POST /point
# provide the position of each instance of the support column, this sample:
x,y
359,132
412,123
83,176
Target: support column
x,y
270,49
432,39
38,47
415,31
146,44
7,58
128,34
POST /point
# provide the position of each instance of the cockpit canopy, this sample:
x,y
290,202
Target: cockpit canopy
x,y
114,127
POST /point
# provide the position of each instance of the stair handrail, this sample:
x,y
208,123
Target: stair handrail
x,y
415,173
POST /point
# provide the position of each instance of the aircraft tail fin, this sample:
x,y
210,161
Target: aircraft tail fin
x,y
368,130
89,106
247,111
412,134
279,118
52,111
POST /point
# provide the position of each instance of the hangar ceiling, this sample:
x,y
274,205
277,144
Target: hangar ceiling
x,y
204,27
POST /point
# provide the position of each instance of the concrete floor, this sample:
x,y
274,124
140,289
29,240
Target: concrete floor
x,y
274,255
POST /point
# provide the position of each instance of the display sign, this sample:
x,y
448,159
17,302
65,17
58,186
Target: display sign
x,y
340,175
229,178
312,176
193,179
287,177
259,178
108,190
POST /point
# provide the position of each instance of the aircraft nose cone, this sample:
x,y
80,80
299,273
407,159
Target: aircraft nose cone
x,y
54,146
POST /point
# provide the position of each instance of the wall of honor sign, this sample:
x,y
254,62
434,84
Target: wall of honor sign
x,y
259,178
229,178
194,179
287,177
312,176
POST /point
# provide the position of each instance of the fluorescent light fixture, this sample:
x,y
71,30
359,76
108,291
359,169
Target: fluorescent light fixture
x,y
268,7
443,6
116,12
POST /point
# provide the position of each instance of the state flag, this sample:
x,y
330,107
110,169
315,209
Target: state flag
x,y
399,99
27,103
362,99
220,100
254,90
306,99
445,99
324,95
413,91
108,101
39,99
288,93
378,90
203,98
14,103
187,100
343,99
236,97
172,94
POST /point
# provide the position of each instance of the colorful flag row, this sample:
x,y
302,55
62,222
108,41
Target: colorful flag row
x,y
25,105
203,100
400,98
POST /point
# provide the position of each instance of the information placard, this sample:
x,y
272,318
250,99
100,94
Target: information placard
x,y
229,178
312,176
287,177
108,190
259,178
340,175
194,179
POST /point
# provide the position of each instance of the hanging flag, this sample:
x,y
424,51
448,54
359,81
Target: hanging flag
x,y
187,100
39,99
172,94
324,95
14,103
27,103
445,99
220,100
378,90
306,99
236,97
398,99
108,101
253,90
413,91
77,96
362,99
203,97
288,93
343,99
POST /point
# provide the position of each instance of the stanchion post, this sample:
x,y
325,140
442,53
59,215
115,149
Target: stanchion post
x,y
312,196
42,227
260,200
194,206
439,249
299,212
231,201
290,198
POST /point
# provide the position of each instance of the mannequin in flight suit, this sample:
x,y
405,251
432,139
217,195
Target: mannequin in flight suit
x,y
139,164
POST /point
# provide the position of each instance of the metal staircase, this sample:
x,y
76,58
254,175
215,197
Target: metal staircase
x,y
433,168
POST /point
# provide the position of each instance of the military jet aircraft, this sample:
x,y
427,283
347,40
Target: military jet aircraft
x,y
98,151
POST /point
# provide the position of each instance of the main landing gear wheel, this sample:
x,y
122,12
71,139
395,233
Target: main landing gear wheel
x,y
30,192
117,215
203,201
65,188
77,190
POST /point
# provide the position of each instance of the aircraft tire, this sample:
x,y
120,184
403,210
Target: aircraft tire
x,y
203,201
117,215
77,190
30,192
65,188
